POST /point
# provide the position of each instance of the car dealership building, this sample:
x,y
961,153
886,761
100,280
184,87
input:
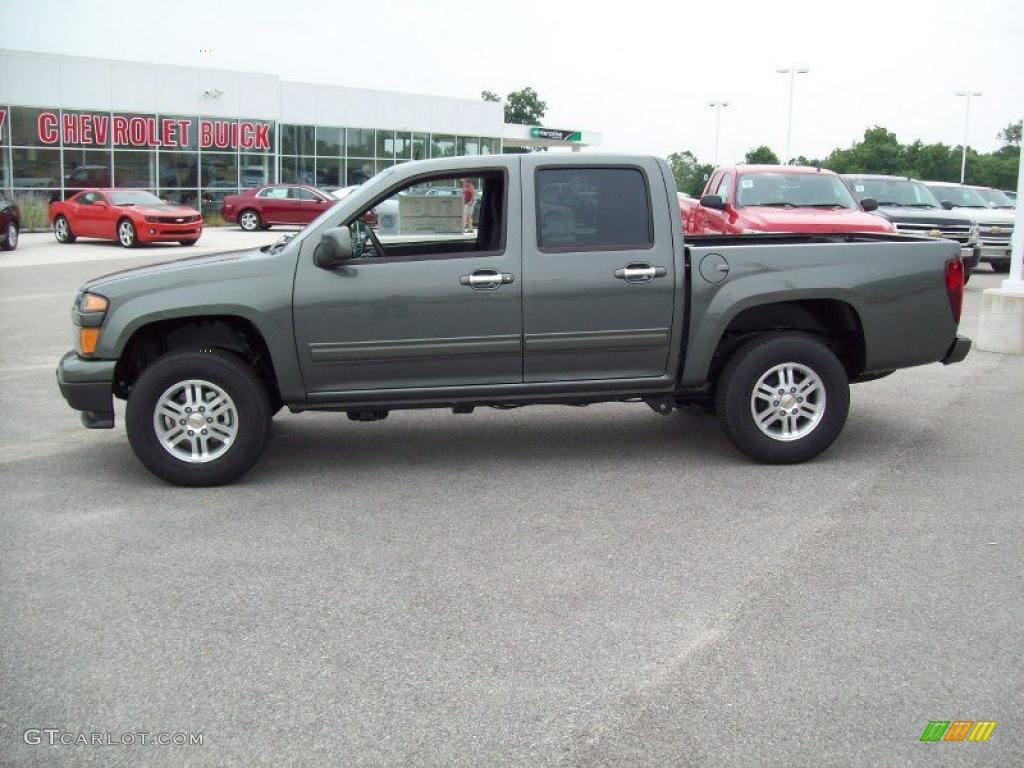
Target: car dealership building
x,y
195,135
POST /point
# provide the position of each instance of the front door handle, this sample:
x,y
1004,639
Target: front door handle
x,y
486,279
640,273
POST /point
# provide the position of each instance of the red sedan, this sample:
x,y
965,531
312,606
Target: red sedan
x,y
261,207
129,216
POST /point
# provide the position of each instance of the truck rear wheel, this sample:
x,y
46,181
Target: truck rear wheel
x,y
783,398
198,418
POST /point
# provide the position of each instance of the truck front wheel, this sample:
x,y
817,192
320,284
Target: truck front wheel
x,y
198,418
783,398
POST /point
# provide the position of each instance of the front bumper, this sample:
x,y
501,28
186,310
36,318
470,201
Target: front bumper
x,y
957,351
971,255
160,233
999,251
88,386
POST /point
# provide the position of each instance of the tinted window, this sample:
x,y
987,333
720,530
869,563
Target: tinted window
x,y
582,208
305,194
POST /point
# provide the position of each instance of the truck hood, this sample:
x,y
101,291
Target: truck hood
x,y
997,216
190,263
812,220
939,217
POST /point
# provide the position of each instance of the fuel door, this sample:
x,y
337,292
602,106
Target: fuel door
x,y
714,268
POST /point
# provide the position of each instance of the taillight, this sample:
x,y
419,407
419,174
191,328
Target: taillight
x,y
955,286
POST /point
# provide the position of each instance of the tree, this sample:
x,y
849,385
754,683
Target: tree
x,y
524,107
762,155
1011,134
489,96
690,174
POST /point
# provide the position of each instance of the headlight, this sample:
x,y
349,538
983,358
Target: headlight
x,y
93,302
973,236
751,232
90,309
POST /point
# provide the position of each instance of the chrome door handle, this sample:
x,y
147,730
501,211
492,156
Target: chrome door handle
x,y
640,273
486,279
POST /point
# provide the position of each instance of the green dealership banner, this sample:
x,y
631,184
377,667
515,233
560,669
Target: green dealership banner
x,y
537,132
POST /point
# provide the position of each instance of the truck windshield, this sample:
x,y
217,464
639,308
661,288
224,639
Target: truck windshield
x,y
894,192
961,197
795,190
134,197
995,198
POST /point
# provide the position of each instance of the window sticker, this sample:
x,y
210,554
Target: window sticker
x,y
747,183
858,187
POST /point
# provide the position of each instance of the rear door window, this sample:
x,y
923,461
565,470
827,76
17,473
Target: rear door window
x,y
581,208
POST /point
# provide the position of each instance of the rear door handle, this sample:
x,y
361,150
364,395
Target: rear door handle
x,y
640,273
486,279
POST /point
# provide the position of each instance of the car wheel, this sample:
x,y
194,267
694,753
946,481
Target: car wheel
x,y
62,230
189,242
249,220
198,418
12,237
967,276
1000,267
126,234
783,398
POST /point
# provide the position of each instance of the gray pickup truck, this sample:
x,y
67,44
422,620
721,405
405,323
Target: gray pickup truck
x,y
574,287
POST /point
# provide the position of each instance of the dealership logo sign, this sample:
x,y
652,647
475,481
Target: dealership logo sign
x,y
537,132
150,132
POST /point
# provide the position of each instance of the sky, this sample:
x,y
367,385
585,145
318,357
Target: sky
x,y
641,73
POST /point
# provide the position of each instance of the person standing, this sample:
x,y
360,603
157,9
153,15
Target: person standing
x,y
468,200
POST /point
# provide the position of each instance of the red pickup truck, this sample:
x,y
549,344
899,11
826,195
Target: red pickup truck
x,y
744,199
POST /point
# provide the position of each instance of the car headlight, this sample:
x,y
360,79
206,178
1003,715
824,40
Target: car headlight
x,y
750,232
975,233
90,309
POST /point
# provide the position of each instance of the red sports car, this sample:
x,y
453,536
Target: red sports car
x,y
275,204
129,216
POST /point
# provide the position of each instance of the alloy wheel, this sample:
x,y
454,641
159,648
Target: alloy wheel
x,y
126,233
195,421
788,402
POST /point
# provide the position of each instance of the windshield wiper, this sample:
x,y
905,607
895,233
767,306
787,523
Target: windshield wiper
x,y
920,205
824,205
770,205
890,203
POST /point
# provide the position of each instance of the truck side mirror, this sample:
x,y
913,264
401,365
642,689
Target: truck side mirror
x,y
947,205
713,201
334,248
869,204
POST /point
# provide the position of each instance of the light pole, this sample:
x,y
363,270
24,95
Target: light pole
x,y
792,71
967,116
717,105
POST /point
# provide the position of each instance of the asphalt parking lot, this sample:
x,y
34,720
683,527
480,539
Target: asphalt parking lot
x,y
544,586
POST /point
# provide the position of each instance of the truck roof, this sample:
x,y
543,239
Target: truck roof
x,y
777,169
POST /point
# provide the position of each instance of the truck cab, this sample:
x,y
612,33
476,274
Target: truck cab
x,y
744,199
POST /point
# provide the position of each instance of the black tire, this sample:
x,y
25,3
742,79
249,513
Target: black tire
x,y
743,372
125,233
226,372
266,226
59,230
967,276
10,237
189,242
1000,267
250,220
